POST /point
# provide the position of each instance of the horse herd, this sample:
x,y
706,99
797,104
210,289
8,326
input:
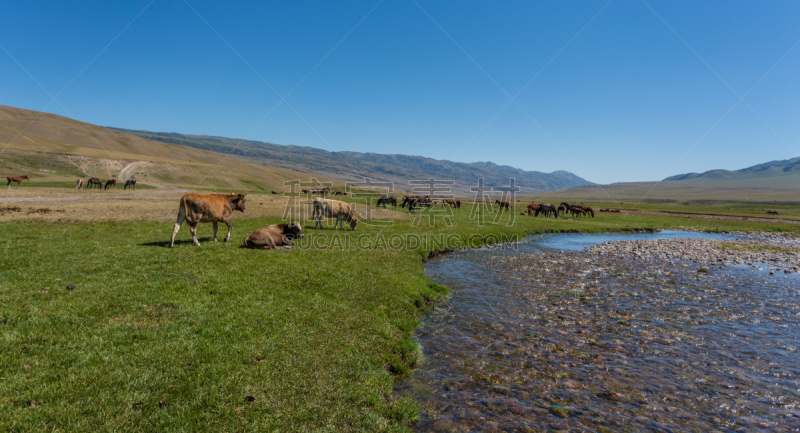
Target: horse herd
x,y
547,210
111,183
90,183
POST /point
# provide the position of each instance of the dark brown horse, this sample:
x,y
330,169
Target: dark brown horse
x,y
504,205
17,179
111,183
547,209
130,183
94,181
392,201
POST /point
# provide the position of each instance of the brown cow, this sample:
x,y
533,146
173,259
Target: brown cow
x,y
17,179
111,182
204,208
274,237
334,209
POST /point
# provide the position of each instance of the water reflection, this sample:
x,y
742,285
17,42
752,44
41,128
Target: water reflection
x,y
544,340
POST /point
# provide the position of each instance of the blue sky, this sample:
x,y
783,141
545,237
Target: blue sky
x,y
614,91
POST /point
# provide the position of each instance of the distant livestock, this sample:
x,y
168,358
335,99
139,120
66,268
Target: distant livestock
x,y
130,183
17,179
334,209
408,198
274,237
547,209
80,184
93,181
504,205
452,203
111,183
204,208
772,212
385,200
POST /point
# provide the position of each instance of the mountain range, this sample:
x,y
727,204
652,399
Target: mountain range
x,y
355,166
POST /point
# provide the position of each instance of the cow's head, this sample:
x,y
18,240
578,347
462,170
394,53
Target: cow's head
x,y
353,222
293,230
237,201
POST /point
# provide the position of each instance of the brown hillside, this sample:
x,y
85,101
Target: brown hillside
x,y
59,148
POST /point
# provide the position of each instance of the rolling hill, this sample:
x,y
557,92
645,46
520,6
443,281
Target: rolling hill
x,y
779,168
48,147
768,182
355,166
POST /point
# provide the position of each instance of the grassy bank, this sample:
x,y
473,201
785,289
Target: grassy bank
x,y
221,338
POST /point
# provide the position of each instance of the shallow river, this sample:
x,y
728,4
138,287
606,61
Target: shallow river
x,y
546,337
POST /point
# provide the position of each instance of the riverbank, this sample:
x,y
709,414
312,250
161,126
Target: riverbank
x,y
777,252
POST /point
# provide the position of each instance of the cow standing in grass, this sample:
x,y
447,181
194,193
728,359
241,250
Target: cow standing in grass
x,y
334,209
17,179
205,208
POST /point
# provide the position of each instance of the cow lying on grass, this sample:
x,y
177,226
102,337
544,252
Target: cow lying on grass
x,y
207,208
333,209
274,237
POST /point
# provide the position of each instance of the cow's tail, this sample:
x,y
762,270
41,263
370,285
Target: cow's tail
x,y
245,242
185,209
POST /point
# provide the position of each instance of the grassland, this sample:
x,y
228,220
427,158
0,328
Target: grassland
x,y
218,337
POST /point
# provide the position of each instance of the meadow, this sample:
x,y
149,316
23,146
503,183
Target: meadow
x,y
222,338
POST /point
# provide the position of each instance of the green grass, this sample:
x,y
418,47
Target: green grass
x,y
738,246
159,339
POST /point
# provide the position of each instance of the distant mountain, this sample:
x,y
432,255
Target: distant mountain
x,y
355,166
786,167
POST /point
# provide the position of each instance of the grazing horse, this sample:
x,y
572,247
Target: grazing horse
x,y
449,202
458,204
577,211
110,183
94,181
130,183
562,210
772,212
387,200
503,204
532,208
547,209
79,185
17,179
407,199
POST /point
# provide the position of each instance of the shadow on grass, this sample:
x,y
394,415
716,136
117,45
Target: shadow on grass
x,y
165,244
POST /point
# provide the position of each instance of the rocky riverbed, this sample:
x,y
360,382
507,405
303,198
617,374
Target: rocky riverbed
x,y
776,252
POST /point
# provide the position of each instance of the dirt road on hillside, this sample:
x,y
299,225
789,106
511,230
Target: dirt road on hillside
x,y
129,169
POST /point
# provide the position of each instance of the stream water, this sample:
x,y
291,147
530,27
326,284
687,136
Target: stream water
x,y
547,337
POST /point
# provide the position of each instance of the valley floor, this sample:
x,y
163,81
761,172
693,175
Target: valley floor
x,y
219,337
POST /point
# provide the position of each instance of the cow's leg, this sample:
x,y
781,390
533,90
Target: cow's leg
x,y
193,229
215,231
229,231
181,217
339,221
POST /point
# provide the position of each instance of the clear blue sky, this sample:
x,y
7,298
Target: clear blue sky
x,y
618,94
